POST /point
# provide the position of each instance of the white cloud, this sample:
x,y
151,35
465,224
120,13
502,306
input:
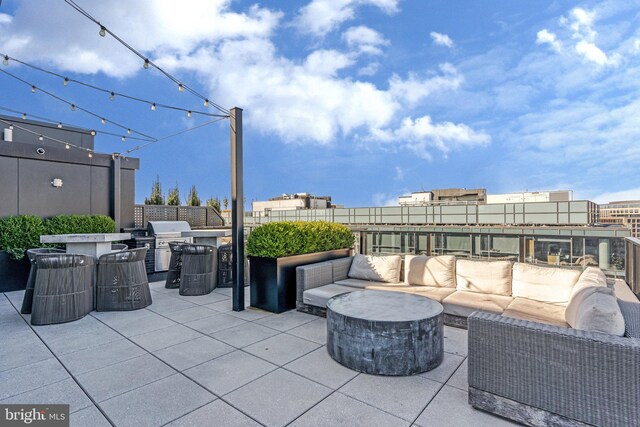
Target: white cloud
x,y
422,135
399,174
593,53
618,196
441,39
364,39
384,199
369,70
321,16
544,36
5,19
414,89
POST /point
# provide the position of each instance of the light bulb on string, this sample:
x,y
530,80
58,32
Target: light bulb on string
x,y
129,131
153,107
180,87
41,138
73,107
103,120
206,102
11,127
188,113
90,155
66,81
93,133
66,146
112,96
33,89
24,116
60,125
103,31
5,60
146,63
124,138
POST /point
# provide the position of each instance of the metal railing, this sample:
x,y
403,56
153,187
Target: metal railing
x,y
196,216
632,264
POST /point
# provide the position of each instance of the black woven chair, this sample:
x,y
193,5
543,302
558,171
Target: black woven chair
x,y
63,289
27,301
122,281
119,247
175,265
199,269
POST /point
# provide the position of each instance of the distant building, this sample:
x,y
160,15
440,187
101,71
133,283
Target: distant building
x,y
531,196
417,198
443,196
626,213
292,202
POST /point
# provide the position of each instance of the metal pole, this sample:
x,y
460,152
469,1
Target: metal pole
x,y
117,189
237,209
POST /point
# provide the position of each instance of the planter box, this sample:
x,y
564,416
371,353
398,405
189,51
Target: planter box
x,y
273,280
13,274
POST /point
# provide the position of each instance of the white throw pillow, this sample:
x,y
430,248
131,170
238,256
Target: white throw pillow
x,y
424,270
600,312
376,268
486,277
546,284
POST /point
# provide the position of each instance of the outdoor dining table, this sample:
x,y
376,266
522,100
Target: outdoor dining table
x,y
86,244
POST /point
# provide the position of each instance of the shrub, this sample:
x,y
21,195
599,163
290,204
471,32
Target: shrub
x,y
280,239
79,224
19,233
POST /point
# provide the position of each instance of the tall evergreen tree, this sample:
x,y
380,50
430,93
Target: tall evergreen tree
x,y
156,197
173,199
193,199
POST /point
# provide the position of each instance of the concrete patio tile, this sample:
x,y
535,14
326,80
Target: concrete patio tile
x,y
277,398
191,353
224,291
404,397
21,348
315,331
119,378
250,313
157,403
460,378
69,343
110,317
455,341
221,306
100,356
169,305
341,410
90,416
209,298
135,326
244,334
223,414
190,314
450,408
30,377
287,320
446,369
228,372
152,341
65,391
321,368
281,349
15,297
211,325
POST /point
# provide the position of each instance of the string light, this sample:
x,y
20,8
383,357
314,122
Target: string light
x,y
93,133
66,81
111,96
60,125
5,60
206,103
103,31
73,107
67,146
129,131
90,155
33,89
24,116
146,63
153,107
11,127
188,113
180,87
103,120
124,138
41,138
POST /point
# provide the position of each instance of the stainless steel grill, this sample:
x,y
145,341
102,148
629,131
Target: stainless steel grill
x,y
165,232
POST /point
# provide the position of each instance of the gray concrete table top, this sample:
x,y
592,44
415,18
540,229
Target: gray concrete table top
x,y
206,233
384,306
86,244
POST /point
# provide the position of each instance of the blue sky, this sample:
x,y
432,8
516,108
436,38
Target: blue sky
x,y
363,100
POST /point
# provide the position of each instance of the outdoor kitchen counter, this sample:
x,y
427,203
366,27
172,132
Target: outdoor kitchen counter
x,y
86,244
208,237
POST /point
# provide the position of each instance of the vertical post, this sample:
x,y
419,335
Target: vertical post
x,y
117,188
237,209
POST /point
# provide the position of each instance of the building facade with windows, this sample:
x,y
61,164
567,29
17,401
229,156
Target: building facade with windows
x,y
626,213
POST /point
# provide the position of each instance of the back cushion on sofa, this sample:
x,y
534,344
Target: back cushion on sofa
x,y
376,268
596,309
590,277
486,277
424,270
546,284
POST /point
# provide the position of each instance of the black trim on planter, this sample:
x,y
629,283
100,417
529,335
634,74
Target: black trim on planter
x,y
13,274
273,280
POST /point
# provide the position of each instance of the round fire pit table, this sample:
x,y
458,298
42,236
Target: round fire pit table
x,y
385,333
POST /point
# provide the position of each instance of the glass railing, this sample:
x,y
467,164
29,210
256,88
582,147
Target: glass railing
x,y
632,264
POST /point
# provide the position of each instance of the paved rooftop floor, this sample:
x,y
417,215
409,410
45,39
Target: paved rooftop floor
x,y
191,361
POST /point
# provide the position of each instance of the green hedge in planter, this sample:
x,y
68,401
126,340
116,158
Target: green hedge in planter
x,y
19,233
280,239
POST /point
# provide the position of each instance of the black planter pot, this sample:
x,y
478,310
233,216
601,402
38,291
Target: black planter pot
x,y
273,280
13,274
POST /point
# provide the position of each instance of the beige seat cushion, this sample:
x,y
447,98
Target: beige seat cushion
x,y
487,277
319,296
376,268
430,271
436,293
363,284
536,311
462,303
547,284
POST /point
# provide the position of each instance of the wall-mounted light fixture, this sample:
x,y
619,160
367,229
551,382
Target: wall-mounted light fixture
x,y
57,182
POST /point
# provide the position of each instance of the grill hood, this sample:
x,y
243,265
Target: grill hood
x,y
162,227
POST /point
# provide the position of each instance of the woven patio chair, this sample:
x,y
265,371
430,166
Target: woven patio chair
x,y
199,269
119,247
122,282
27,301
175,265
63,289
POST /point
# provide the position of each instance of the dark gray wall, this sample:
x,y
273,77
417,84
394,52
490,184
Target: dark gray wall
x,y
26,176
